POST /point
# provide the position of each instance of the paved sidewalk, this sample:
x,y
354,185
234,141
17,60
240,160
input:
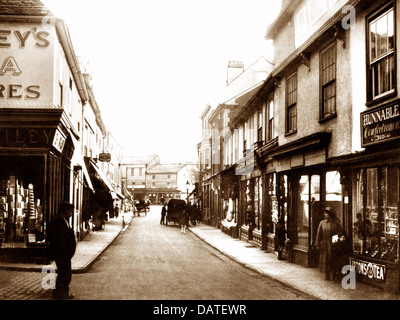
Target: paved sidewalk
x,y
308,280
87,250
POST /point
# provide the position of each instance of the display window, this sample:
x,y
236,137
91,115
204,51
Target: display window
x,y
257,202
283,195
274,205
313,193
375,213
22,219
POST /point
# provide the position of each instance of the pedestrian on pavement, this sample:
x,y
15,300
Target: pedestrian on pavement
x,y
184,220
329,233
280,236
163,214
116,211
62,248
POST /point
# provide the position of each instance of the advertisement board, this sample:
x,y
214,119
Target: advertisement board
x,y
26,65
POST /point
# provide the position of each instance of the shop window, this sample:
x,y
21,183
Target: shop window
x,y
257,202
273,215
333,193
307,207
375,213
21,198
381,42
328,81
283,197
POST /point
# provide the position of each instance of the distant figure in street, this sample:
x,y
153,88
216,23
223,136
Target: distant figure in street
x,y
116,211
280,236
163,214
184,220
62,247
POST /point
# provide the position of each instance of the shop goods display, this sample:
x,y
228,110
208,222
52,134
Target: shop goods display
x,y
21,216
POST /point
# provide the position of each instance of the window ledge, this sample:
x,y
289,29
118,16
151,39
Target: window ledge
x,y
390,95
290,133
328,117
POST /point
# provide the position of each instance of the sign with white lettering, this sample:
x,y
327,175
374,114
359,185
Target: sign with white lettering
x,y
59,141
25,49
380,124
370,270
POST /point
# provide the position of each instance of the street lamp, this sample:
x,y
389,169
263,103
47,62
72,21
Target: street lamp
x,y
187,191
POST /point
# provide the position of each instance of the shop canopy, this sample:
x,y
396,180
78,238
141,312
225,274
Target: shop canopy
x,y
77,159
114,193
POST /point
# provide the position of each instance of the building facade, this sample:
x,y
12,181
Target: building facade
x,y
327,136
44,133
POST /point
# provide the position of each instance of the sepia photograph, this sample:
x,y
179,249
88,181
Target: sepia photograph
x,y
199,158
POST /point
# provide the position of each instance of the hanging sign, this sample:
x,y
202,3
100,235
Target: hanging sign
x,y
59,141
380,124
104,157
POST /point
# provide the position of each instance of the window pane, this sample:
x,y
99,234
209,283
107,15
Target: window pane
x,y
373,41
390,30
334,193
383,73
315,207
292,118
382,35
329,99
303,211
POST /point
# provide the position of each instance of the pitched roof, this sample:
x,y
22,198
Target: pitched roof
x,y
23,8
165,168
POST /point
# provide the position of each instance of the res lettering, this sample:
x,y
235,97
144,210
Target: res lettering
x,y
15,91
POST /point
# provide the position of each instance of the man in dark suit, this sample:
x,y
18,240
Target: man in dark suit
x,y
163,214
62,243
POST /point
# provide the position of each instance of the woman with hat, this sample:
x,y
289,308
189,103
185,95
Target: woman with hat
x,y
329,231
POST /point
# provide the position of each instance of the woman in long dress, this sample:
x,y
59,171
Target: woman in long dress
x,y
329,231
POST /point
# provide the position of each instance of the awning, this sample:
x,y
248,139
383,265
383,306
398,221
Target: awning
x,y
104,178
117,195
77,159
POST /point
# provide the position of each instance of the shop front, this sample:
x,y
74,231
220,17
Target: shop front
x,y
305,183
375,186
251,198
35,175
230,189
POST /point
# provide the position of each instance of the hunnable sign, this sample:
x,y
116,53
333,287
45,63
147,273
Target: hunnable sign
x,y
380,124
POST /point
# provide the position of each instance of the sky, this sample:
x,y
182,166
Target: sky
x,y
156,63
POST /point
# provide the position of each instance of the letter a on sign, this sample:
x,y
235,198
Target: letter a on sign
x,y
10,65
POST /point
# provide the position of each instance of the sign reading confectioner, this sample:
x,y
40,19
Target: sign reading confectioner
x,y
380,124
26,65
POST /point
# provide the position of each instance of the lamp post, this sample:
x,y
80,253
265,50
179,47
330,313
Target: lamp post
x,y
187,191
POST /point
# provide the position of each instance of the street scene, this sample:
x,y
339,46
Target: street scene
x,y
150,261
199,151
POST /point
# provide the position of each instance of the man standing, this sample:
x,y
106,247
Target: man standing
x,y
62,248
163,214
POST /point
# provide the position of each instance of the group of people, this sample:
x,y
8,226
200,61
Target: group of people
x,y
190,213
62,243
329,243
